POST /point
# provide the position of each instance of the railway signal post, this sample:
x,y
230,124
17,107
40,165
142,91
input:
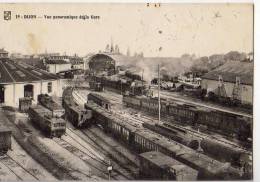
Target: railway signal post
x,y
109,169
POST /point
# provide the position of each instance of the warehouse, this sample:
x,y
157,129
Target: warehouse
x,y
19,80
57,65
234,79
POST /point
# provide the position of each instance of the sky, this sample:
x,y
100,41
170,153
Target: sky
x,y
167,31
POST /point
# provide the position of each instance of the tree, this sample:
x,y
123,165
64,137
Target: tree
x,y
204,59
235,56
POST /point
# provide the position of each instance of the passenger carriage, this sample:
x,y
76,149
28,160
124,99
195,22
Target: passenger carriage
x,y
99,100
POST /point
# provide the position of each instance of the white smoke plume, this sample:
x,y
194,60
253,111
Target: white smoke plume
x,y
148,66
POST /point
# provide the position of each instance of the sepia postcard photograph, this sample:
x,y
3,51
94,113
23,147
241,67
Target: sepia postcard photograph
x,y
127,91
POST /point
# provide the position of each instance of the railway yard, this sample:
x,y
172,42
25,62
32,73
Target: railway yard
x,y
103,135
147,92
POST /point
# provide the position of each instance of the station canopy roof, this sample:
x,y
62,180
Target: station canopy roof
x,y
11,72
232,69
120,59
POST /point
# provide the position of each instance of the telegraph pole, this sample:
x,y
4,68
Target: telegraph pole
x,y
159,99
142,80
121,87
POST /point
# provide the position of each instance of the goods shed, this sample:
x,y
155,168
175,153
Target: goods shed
x,y
20,80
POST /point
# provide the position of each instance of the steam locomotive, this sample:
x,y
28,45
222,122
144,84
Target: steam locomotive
x,y
121,85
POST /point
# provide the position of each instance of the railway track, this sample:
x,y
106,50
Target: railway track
x,y
88,159
17,169
207,105
198,134
104,162
129,166
10,169
81,99
89,141
147,118
118,171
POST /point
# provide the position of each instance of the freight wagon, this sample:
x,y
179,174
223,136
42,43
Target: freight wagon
x,y
217,150
157,166
99,100
224,123
77,115
46,101
42,118
5,139
143,140
96,86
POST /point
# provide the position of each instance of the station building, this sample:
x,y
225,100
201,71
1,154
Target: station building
x,y
102,63
19,80
235,79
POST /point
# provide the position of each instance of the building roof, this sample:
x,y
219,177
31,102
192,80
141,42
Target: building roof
x,y
159,159
118,58
2,51
36,62
12,72
76,60
56,61
232,69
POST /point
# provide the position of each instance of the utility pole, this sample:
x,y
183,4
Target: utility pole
x,y
121,87
159,99
142,81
